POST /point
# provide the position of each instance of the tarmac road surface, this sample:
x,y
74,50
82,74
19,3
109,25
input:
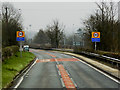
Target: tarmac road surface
x,y
56,70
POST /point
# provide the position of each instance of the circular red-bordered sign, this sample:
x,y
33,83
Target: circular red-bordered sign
x,y
20,34
95,35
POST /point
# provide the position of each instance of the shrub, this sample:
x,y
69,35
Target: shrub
x,y
9,51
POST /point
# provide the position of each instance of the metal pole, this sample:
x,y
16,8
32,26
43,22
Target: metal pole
x,y
64,43
73,40
21,49
83,43
95,46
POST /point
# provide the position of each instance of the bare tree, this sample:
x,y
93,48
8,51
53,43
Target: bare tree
x,y
41,37
105,22
11,22
55,33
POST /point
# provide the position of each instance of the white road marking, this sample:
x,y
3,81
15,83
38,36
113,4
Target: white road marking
x,y
21,79
56,61
56,67
74,82
73,57
19,82
100,71
62,82
46,60
59,73
67,73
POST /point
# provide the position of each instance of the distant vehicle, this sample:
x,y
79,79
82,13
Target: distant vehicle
x,y
26,48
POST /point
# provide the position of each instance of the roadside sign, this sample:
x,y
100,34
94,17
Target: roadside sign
x,y
95,39
20,36
95,36
76,43
20,39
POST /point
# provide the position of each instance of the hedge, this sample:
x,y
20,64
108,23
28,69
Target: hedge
x,y
9,51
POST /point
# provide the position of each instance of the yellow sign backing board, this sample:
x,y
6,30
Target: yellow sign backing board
x,y
20,34
95,34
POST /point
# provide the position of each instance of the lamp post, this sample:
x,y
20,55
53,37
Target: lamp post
x,y
19,10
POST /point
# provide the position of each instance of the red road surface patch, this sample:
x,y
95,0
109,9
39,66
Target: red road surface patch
x,y
66,79
30,50
57,59
67,59
43,60
50,55
35,50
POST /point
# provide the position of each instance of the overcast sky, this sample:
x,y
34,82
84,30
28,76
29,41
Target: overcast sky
x,y
39,14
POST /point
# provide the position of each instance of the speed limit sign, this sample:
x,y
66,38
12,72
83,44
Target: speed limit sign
x,y
20,35
95,36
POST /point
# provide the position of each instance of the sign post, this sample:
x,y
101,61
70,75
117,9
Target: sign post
x,y
20,37
95,46
20,48
95,38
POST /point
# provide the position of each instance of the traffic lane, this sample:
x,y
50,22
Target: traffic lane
x,y
41,55
83,77
84,74
49,54
87,74
86,77
42,75
58,54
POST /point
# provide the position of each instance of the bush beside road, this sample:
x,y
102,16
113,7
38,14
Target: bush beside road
x,y
9,51
12,66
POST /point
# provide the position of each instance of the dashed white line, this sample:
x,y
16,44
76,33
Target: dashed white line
x,y
67,73
62,82
59,73
56,61
74,82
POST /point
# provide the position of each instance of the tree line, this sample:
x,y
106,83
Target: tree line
x,y
11,22
52,34
105,21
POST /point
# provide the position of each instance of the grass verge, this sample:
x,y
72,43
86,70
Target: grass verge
x,y
12,66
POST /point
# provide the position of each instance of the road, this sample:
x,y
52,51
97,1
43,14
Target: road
x,y
56,70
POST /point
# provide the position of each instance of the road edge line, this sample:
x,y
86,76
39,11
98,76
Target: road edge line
x,y
105,72
26,71
100,71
